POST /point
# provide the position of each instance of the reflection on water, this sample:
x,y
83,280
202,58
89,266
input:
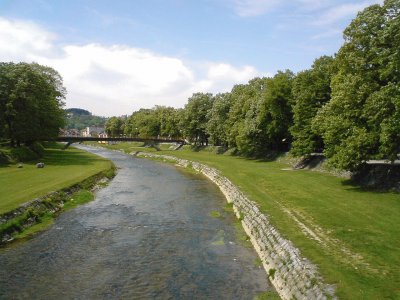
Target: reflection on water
x,y
148,235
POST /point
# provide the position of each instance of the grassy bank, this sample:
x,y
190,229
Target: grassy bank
x,y
62,184
63,168
350,233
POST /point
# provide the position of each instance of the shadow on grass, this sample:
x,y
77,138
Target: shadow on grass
x,y
267,157
5,165
57,157
353,186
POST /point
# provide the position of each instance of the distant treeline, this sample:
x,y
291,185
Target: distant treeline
x,y
77,118
347,106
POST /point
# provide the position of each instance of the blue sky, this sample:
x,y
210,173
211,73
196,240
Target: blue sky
x,y
118,56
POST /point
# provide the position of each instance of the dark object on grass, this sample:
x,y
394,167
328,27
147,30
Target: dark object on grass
x,y
40,165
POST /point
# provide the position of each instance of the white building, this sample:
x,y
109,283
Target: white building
x,y
93,132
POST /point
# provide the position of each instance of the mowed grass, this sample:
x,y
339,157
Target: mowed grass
x,y
356,241
63,168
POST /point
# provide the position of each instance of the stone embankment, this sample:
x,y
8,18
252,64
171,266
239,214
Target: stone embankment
x,y
293,276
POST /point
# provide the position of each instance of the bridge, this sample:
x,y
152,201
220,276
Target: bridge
x,y
151,141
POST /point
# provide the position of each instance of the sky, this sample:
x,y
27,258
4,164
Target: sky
x,y
122,55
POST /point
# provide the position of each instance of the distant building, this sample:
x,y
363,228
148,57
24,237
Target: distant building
x,y
69,132
94,132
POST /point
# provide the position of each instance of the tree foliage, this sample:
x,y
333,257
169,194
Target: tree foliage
x,y
195,117
115,126
347,105
361,120
160,121
311,90
31,101
217,126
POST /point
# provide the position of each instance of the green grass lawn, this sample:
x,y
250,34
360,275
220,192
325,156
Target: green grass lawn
x,y
355,234
63,168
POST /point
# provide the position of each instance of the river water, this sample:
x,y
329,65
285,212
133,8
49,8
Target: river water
x,y
148,235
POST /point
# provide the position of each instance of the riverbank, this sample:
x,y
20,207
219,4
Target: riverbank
x,y
292,275
67,180
348,232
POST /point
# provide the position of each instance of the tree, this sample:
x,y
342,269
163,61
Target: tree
x,y
275,116
261,114
169,121
242,96
32,98
217,125
245,129
195,120
5,91
311,90
143,123
361,120
114,126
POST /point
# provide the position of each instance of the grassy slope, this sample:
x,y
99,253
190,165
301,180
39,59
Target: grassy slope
x,y
358,230
62,169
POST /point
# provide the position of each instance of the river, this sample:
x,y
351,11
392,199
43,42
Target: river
x,y
149,234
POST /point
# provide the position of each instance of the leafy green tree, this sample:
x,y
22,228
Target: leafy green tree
x,y
361,120
311,90
275,116
143,123
261,114
169,121
32,99
241,124
194,121
5,91
245,128
217,125
114,126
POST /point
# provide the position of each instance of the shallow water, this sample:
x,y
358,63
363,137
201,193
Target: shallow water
x,y
148,235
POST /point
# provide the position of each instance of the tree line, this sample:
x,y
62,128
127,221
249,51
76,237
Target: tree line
x,y
346,106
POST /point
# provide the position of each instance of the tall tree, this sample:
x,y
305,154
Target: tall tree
x,y
114,126
275,116
217,125
32,99
143,123
241,126
361,120
195,120
311,90
169,121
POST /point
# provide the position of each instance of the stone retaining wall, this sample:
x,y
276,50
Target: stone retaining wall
x,y
293,276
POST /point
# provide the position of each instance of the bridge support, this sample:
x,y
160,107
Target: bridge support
x,y
179,146
67,145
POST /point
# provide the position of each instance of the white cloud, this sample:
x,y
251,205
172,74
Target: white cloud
x,y
327,34
328,11
343,11
219,76
116,80
21,39
251,8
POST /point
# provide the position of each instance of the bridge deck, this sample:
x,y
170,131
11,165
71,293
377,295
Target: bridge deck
x,y
76,139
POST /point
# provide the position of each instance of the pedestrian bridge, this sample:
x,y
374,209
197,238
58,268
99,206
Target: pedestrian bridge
x,y
151,141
